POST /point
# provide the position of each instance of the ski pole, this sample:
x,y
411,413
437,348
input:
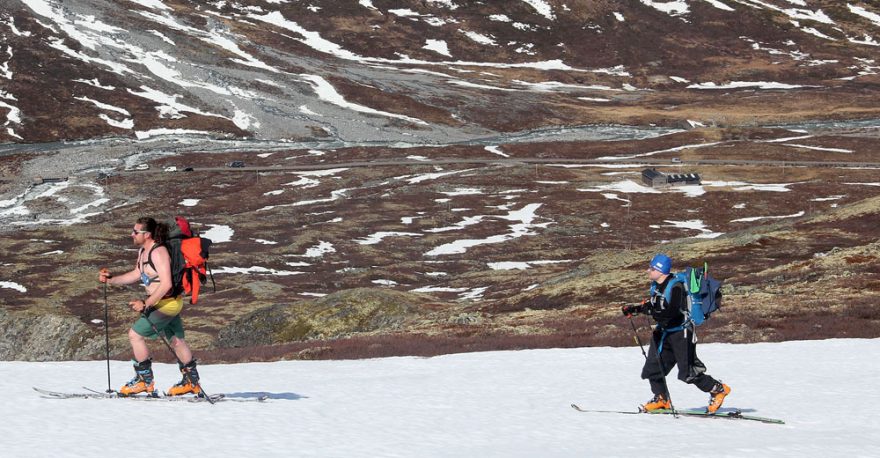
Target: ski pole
x,y
107,338
168,345
636,333
659,363
663,377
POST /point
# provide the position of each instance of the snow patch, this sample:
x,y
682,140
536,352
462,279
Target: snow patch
x,y
254,270
747,84
865,13
218,233
438,46
367,4
319,250
494,149
12,285
95,83
543,8
327,93
673,8
377,237
479,38
154,4
819,148
719,5
524,226
695,224
759,218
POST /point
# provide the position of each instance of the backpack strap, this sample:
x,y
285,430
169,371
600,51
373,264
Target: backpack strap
x,y
171,292
149,261
665,333
680,277
687,326
150,256
677,278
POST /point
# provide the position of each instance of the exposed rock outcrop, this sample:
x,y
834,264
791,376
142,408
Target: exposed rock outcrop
x,y
47,337
360,310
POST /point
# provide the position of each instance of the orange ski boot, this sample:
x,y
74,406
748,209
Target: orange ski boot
x,y
717,397
189,383
142,381
658,402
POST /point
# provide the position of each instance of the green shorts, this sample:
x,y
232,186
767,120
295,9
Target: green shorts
x,y
171,326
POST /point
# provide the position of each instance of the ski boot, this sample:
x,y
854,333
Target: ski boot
x,y
658,402
142,381
718,393
190,381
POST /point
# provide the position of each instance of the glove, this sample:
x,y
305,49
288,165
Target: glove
x,y
630,310
647,306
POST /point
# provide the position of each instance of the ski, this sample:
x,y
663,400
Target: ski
x,y
92,394
212,398
579,409
95,394
735,414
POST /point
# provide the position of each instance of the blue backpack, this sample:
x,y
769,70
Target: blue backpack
x,y
703,292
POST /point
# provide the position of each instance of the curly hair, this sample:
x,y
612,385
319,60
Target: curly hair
x,y
158,231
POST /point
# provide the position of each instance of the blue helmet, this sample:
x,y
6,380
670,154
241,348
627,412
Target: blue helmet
x,y
662,263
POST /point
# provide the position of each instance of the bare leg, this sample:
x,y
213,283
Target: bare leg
x,y
181,349
138,346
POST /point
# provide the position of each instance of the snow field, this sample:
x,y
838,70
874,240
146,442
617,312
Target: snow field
x,y
504,404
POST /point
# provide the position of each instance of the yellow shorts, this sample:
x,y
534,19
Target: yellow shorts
x,y
170,306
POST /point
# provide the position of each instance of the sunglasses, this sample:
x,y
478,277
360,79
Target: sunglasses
x,y
135,232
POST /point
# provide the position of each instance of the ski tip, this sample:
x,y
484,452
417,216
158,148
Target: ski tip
x,y
42,391
46,392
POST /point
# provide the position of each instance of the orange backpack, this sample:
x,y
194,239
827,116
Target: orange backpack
x,y
189,260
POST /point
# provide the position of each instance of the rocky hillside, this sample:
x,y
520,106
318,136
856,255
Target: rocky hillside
x,y
435,71
422,177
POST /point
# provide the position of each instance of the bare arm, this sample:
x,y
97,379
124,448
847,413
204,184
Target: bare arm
x,y
105,276
124,279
